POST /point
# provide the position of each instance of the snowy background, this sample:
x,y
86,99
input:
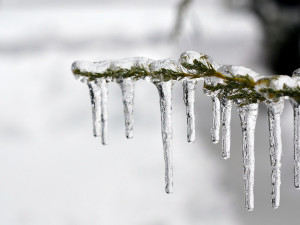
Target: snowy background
x,y
52,169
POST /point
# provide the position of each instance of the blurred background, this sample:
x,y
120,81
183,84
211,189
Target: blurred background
x,y
52,169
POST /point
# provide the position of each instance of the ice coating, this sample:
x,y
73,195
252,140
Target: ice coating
x,y
142,62
95,94
277,82
127,88
296,73
165,96
125,63
274,111
230,71
189,99
104,99
226,105
248,115
91,67
188,57
157,67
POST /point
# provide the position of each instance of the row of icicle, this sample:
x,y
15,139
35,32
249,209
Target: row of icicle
x,y
220,121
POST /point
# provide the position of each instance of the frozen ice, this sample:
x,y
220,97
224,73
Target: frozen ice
x,y
127,88
166,64
189,99
274,111
189,57
296,73
230,71
156,71
296,110
91,67
215,129
104,99
99,97
125,63
248,115
226,105
95,94
165,95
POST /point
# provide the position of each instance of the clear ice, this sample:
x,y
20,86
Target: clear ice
x,y
274,111
127,88
296,110
215,129
225,120
104,98
165,99
99,97
189,99
95,94
248,115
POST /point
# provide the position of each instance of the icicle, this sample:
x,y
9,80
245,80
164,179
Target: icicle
x,y
165,95
95,94
127,87
226,117
189,99
248,115
104,98
215,130
216,121
274,111
296,110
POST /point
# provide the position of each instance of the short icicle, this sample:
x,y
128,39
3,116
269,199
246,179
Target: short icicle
x,y
248,115
215,130
274,111
226,105
104,98
127,88
95,94
165,95
296,110
189,99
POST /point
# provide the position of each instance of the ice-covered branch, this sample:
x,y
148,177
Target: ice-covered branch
x,y
226,84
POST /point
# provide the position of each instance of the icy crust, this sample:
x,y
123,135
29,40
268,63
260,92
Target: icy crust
x,y
237,83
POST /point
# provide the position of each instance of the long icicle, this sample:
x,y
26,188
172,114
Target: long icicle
x,y
296,110
226,105
274,111
215,130
104,98
248,115
165,95
127,88
95,95
189,100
